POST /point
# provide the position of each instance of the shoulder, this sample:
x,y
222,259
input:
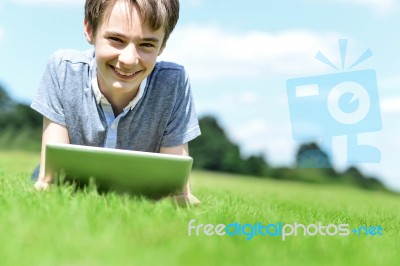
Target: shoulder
x,y
68,64
169,72
163,65
69,68
169,67
70,56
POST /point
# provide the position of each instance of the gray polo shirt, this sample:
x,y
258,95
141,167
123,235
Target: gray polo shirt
x,y
161,115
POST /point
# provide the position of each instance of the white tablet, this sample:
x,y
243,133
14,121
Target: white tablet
x,y
133,172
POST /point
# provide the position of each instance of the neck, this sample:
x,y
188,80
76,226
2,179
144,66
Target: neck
x,y
119,101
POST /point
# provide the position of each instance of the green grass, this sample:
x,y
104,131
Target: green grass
x,y
62,227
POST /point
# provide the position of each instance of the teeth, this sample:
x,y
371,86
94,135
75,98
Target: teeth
x,y
123,73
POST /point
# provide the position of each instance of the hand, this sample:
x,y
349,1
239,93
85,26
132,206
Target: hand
x,y
41,185
185,200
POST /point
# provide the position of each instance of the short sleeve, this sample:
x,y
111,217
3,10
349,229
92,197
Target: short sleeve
x,y
183,125
48,97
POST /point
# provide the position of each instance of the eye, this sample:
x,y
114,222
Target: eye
x,y
147,45
115,39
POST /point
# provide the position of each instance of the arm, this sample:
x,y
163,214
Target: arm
x,y
186,197
54,133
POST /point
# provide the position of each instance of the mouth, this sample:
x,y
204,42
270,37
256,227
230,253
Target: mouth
x,y
123,74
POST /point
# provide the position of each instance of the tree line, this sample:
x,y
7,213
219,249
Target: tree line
x,y
21,127
214,151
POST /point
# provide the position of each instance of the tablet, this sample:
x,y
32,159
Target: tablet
x,y
133,172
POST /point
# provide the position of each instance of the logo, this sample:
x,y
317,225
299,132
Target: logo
x,y
280,229
344,103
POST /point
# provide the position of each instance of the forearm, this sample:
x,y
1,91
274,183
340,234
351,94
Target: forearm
x,y
185,198
52,133
182,150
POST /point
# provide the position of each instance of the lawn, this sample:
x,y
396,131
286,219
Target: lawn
x,y
62,227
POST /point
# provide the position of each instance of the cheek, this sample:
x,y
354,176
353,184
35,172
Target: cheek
x,y
149,58
104,52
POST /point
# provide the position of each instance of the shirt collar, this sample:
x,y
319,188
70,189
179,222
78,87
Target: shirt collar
x,y
100,98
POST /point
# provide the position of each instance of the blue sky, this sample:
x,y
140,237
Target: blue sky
x,y
239,55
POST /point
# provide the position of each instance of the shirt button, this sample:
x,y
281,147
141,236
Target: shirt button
x,y
113,126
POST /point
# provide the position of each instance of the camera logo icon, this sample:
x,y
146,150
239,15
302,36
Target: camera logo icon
x,y
339,104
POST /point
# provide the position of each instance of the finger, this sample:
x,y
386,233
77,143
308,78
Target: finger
x,y
40,185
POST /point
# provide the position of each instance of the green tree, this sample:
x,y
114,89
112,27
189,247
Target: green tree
x,y
4,98
17,115
354,175
310,155
20,126
256,165
6,134
313,164
6,105
25,117
214,151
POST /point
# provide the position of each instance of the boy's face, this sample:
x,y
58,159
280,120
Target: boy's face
x,y
125,49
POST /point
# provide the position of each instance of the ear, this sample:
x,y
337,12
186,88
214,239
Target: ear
x,y
88,32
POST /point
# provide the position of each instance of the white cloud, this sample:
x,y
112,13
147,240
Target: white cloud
x,y
391,105
210,52
50,2
195,3
390,96
382,7
261,135
389,84
245,98
227,103
249,98
258,122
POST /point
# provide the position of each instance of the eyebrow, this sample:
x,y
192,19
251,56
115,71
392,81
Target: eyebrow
x,y
146,39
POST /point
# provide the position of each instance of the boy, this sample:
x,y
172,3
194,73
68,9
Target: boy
x,y
117,96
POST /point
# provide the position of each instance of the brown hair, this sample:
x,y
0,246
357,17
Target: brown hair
x,y
154,13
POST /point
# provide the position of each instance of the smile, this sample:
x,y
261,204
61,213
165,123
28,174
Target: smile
x,y
122,74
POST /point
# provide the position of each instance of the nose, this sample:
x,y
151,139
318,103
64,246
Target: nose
x,y
129,55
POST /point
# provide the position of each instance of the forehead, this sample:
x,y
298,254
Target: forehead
x,y
125,15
